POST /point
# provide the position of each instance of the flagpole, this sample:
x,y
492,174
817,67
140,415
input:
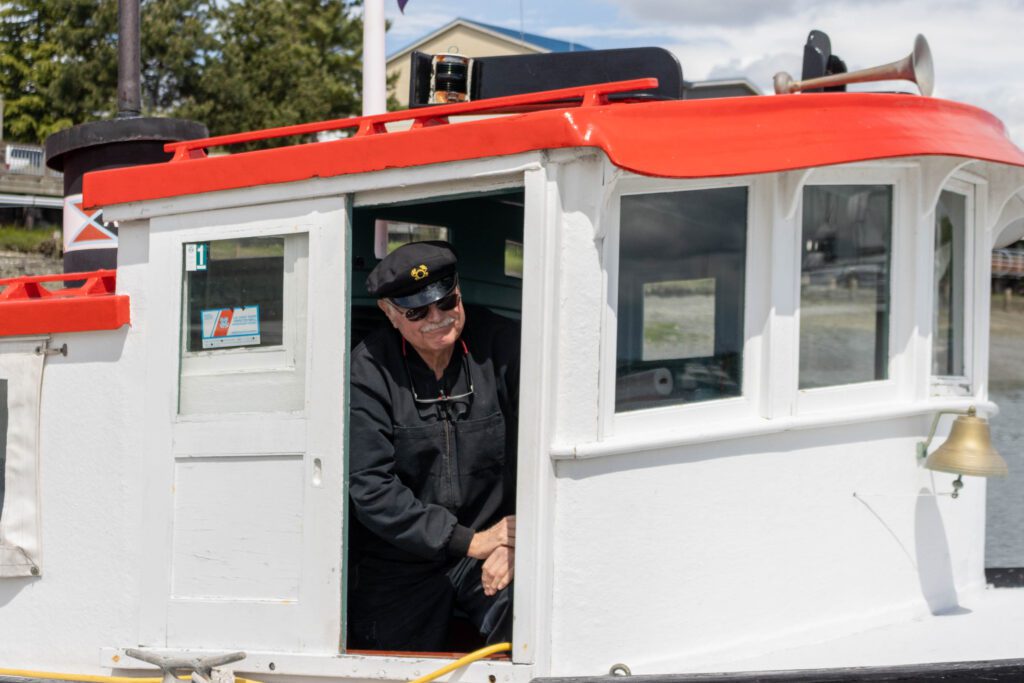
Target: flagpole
x,y
374,76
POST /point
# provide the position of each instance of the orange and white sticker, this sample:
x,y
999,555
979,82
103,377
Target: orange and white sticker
x,y
85,229
231,327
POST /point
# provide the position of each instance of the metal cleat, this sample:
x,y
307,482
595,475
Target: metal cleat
x,y
201,668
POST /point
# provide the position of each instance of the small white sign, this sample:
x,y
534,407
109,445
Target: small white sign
x,y
231,327
196,256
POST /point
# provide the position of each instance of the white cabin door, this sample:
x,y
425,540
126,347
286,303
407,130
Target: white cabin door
x,y
246,331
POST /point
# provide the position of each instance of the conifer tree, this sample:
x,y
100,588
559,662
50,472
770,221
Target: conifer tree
x,y
280,63
232,64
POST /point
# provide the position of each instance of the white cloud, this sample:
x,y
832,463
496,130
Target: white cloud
x,y
976,48
976,43
760,71
411,26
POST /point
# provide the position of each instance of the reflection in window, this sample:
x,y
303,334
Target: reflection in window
x,y
390,235
948,319
682,257
844,285
238,299
514,259
1004,545
679,319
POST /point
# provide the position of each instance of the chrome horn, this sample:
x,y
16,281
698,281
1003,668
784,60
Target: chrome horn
x,y
916,67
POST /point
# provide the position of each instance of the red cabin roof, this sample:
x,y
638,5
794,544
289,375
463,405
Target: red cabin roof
x,y
679,139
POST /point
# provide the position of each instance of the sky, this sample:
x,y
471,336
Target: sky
x,y
978,59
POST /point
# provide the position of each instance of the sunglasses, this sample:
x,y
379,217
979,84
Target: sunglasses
x,y
445,303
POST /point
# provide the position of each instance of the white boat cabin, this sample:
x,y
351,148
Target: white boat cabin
x,y
739,318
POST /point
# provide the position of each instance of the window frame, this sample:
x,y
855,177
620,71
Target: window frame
x,y
899,364
285,365
295,295
958,385
756,268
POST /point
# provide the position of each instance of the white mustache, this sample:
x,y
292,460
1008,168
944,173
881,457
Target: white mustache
x,y
438,325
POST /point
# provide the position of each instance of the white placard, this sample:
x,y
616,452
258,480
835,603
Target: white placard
x,y
224,327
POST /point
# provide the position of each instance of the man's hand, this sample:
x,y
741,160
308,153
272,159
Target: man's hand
x,y
484,543
498,569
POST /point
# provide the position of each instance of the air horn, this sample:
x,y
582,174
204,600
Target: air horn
x,y
916,67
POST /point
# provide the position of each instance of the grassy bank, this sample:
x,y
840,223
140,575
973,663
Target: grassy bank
x,y
23,240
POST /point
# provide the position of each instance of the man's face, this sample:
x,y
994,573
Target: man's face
x,y
433,334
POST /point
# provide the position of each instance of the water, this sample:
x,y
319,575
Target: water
x,y
1004,540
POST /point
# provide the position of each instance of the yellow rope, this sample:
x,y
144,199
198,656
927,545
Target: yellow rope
x,y
464,661
88,678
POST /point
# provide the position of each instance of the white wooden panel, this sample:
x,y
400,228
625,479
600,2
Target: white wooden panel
x,y
240,435
271,625
243,392
238,528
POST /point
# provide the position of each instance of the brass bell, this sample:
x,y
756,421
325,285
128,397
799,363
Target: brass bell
x,y
968,450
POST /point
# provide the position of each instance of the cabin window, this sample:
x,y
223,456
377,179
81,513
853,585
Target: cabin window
x,y
389,235
244,325
235,297
844,285
682,259
514,259
950,281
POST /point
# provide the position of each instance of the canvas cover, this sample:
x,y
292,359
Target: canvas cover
x,y
21,374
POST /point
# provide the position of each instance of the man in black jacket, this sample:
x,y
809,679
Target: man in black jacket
x,y
432,434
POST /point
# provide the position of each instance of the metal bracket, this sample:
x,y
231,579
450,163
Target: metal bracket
x,y
201,668
45,350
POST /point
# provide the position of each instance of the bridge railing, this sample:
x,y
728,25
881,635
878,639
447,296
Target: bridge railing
x,y
1008,263
22,159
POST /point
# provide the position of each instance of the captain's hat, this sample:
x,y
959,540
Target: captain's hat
x,y
415,274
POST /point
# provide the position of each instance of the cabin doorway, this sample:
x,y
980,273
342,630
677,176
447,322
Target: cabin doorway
x,y
486,231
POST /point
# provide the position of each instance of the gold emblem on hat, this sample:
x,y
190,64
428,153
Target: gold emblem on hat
x,y
419,272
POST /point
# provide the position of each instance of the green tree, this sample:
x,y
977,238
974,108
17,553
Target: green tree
x,y
177,42
233,64
29,61
58,60
280,63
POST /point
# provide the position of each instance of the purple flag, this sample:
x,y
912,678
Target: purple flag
x,y
401,5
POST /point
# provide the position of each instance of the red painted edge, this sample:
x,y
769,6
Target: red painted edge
x,y
677,139
27,308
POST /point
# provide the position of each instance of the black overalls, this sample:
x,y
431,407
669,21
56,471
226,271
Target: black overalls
x,y
423,477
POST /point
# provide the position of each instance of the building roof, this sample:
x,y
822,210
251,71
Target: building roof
x,y
549,44
538,42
